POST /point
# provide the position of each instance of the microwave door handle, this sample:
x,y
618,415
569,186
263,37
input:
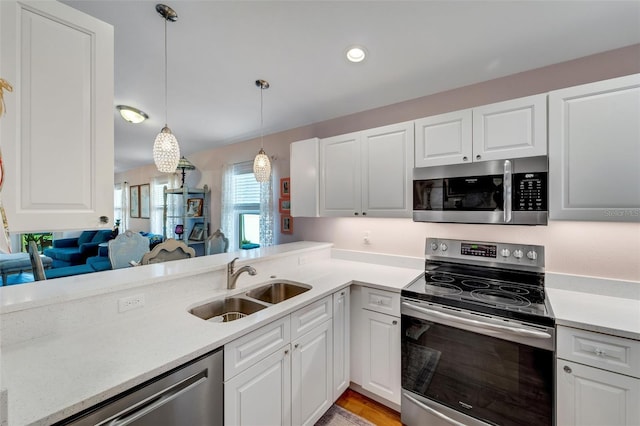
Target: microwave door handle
x,y
507,183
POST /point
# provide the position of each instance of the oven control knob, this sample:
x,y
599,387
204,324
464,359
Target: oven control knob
x,y
505,252
518,254
443,247
434,246
532,255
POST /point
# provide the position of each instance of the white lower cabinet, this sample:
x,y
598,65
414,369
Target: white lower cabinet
x,y
591,396
282,373
381,357
341,341
597,379
261,395
312,374
375,343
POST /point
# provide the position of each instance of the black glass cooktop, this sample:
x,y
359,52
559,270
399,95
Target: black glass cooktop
x,y
498,292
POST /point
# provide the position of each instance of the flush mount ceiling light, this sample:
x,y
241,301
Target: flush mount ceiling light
x,y
166,151
356,54
261,164
131,114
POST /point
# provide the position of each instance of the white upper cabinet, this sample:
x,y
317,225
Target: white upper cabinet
x,y
367,173
510,129
594,151
304,175
503,130
57,135
340,177
444,139
387,167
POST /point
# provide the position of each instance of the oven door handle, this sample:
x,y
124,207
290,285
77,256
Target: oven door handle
x,y
514,330
432,411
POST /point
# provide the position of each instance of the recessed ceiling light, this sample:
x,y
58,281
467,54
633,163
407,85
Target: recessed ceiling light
x,y
356,54
131,114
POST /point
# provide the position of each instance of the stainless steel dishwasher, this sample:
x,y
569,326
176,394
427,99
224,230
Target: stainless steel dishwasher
x,y
191,394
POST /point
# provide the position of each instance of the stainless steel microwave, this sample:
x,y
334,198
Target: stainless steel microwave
x,y
509,192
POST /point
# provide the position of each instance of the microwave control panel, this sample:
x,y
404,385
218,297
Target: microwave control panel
x,y
530,192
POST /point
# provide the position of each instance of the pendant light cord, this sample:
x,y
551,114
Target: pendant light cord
x,y
165,74
261,119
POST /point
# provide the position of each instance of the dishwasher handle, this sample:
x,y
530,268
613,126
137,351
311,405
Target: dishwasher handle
x,y
135,412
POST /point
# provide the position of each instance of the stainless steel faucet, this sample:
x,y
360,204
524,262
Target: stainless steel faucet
x,y
232,274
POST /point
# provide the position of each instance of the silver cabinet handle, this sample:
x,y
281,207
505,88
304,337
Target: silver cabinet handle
x,y
133,413
394,322
432,411
567,369
478,157
507,186
513,330
464,158
296,345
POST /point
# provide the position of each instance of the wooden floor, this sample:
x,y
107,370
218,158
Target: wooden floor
x,y
369,409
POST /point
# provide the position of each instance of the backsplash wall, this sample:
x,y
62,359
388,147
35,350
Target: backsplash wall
x,y
607,250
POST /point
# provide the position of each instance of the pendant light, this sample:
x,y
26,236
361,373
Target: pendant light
x,y
261,164
166,151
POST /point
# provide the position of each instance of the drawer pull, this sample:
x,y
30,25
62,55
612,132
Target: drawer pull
x,y
600,352
567,369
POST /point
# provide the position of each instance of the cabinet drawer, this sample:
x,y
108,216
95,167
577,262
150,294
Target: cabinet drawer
x,y
600,350
251,348
308,317
383,301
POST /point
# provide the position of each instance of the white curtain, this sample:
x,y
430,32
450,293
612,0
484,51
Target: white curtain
x,y
228,200
266,213
174,206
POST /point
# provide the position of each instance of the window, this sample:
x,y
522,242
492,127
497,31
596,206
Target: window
x,y
157,208
244,214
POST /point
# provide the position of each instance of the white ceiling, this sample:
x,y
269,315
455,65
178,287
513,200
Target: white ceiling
x,y
217,49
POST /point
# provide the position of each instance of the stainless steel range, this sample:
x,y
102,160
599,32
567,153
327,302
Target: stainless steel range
x,y
478,337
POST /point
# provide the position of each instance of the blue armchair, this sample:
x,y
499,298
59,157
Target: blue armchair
x,y
75,251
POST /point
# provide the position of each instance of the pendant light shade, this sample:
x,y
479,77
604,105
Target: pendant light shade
x,y
262,164
166,151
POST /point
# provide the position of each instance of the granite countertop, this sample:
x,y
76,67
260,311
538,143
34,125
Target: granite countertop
x,y
98,362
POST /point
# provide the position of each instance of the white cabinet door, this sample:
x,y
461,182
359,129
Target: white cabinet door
x,y
305,178
340,176
381,355
387,166
590,396
443,139
260,395
312,374
341,342
511,129
57,135
594,151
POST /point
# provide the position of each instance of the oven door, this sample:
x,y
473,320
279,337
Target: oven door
x,y
460,367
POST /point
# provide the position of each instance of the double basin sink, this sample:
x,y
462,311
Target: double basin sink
x,y
236,307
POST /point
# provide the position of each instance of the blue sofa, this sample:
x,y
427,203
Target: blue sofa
x,y
76,251
97,263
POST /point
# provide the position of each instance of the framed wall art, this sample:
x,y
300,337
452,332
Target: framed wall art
x,y
145,201
284,206
134,201
286,225
285,187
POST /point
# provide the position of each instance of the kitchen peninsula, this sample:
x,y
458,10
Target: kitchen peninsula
x,y
69,335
